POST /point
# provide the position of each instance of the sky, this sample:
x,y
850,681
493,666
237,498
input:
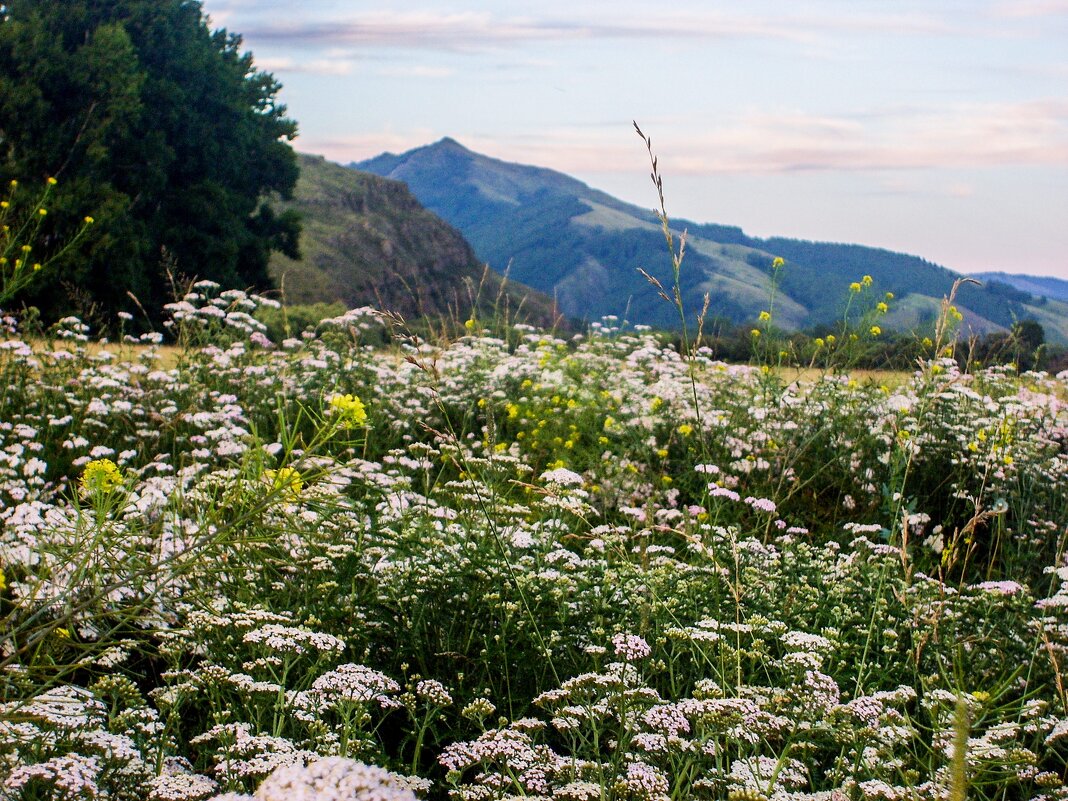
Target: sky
x,y
937,128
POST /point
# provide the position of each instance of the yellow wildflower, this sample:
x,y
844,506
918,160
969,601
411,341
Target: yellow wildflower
x,y
286,479
685,429
755,332
3,580
875,330
882,308
854,287
866,280
765,316
777,262
100,476
51,181
350,411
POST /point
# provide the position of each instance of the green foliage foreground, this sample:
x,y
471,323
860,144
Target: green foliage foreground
x,y
576,569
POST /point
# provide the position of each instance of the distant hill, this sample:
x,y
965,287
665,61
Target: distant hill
x,y
367,240
1052,288
584,247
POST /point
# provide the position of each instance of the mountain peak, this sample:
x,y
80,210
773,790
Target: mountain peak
x,y
584,248
448,143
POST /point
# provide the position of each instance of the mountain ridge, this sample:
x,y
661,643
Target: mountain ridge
x,y
584,247
1047,285
368,241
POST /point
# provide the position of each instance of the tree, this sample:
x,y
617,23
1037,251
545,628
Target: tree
x,y
157,127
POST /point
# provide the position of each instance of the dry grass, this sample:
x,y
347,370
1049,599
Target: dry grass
x,y
168,354
882,378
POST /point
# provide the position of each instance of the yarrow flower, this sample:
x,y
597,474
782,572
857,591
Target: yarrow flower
x,y
630,647
335,778
100,477
350,411
761,504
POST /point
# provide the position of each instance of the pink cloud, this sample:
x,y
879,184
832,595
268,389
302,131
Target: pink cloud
x,y
481,31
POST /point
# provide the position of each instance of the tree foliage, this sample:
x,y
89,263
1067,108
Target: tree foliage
x,y
158,127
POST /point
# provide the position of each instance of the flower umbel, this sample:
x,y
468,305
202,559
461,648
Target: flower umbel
x,y
100,477
350,411
285,479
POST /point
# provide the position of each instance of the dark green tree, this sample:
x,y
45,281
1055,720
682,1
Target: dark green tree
x,y
158,127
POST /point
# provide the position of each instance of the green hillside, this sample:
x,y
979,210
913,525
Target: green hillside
x,y
585,248
367,240
1052,288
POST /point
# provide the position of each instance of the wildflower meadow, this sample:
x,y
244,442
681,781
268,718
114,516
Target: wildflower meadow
x,y
521,564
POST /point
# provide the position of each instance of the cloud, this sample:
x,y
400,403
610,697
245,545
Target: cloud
x,y
1030,8
357,147
477,31
417,71
321,66
966,137
971,136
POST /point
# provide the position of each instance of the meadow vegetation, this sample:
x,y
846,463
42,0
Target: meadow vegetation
x,y
515,563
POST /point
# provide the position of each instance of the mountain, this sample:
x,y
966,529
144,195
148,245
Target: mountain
x,y
367,240
1052,288
584,247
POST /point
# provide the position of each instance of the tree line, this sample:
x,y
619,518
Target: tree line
x,y
159,128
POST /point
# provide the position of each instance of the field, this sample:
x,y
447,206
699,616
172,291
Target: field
x,y
515,565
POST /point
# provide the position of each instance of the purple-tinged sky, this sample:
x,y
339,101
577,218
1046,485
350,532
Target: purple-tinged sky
x,y
937,128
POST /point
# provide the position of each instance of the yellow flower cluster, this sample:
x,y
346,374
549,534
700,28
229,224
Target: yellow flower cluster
x,y
286,479
350,411
100,477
